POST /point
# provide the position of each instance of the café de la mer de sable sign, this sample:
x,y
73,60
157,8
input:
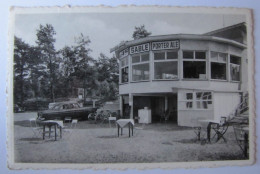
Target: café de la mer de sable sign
x,y
164,45
140,48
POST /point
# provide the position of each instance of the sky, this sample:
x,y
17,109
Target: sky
x,y
106,30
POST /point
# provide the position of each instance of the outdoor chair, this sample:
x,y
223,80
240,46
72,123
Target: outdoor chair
x,y
241,136
220,129
199,128
37,130
74,123
111,119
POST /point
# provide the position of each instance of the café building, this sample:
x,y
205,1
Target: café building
x,y
186,76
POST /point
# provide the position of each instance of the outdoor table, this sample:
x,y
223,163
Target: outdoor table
x,y
209,123
49,124
121,123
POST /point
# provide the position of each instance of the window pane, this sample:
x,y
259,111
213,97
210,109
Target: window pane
x,y
188,104
198,103
207,96
198,95
145,57
159,56
122,62
188,54
166,70
135,59
235,59
218,71
172,55
200,55
202,104
214,56
189,96
194,69
124,75
203,96
235,72
222,57
140,72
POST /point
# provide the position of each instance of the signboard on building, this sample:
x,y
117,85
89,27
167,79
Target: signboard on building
x,y
166,45
140,48
124,53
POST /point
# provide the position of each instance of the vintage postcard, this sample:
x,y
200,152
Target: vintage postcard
x,y
130,87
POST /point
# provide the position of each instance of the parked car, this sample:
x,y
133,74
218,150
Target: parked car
x,y
60,111
18,108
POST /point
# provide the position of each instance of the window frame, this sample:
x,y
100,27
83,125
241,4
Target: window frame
x,y
194,101
193,59
126,65
165,60
219,62
140,63
236,65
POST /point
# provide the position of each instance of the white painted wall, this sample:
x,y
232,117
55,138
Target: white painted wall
x,y
190,118
167,86
225,103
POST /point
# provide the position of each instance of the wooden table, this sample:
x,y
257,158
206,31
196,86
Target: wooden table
x,y
121,123
50,124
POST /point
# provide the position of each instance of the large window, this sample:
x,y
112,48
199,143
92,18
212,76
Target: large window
x,y
235,63
124,70
218,65
194,64
197,100
140,67
166,65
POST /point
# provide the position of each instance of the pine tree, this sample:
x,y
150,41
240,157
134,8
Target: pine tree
x,y
140,32
45,41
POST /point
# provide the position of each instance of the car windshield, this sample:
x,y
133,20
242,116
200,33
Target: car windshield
x,y
56,107
66,106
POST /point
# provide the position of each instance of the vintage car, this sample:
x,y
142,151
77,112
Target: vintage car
x,y
64,111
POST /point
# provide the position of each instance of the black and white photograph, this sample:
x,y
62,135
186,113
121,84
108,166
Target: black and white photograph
x,y
131,86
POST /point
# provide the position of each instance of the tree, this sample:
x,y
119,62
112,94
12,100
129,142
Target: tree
x,y
107,69
140,32
21,57
82,64
67,69
36,72
45,41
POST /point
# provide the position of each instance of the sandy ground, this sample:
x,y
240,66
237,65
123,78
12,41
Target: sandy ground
x,y
95,143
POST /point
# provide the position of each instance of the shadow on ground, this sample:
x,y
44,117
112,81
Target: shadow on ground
x,y
23,123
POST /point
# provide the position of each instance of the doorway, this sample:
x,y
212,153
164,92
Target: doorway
x,y
158,105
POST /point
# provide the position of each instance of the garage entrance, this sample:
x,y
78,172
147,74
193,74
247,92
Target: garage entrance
x,y
159,105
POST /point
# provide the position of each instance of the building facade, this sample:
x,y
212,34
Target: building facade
x,y
188,77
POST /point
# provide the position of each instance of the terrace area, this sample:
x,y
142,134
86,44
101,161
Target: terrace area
x,y
99,143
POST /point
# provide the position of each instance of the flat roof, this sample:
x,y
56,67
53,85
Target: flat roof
x,y
126,44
